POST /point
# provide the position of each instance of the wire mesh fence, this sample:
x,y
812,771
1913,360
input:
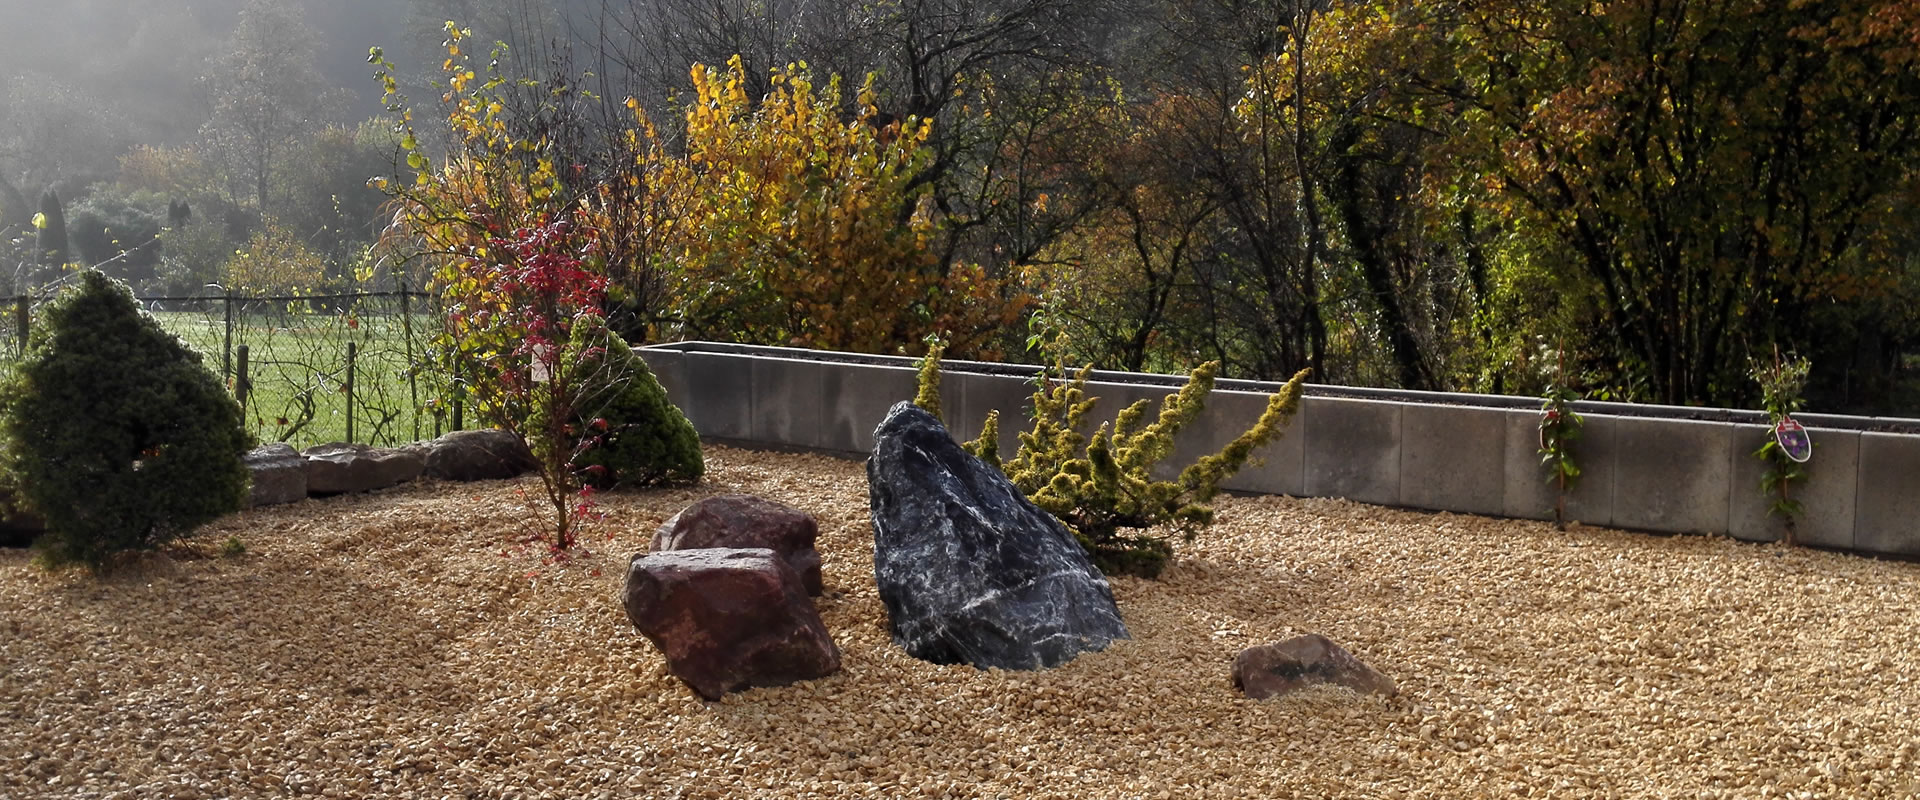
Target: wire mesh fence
x,y
352,367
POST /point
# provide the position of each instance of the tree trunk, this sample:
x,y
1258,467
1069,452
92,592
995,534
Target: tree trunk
x,y
1367,247
1310,205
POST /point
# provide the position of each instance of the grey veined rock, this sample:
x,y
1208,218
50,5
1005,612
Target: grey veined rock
x,y
969,570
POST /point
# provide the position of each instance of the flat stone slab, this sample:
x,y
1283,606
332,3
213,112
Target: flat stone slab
x,y
340,467
479,455
279,475
741,521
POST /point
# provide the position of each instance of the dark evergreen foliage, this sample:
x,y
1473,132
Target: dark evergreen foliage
x,y
116,433
106,227
632,434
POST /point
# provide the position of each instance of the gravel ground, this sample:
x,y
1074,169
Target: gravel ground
x,y
397,645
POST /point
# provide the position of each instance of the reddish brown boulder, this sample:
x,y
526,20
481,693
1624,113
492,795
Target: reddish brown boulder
x,y
1282,667
728,619
745,521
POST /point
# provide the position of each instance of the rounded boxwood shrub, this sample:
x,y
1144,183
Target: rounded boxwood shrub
x,y
635,436
118,436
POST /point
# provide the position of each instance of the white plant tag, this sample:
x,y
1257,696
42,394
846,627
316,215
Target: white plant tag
x,y
542,370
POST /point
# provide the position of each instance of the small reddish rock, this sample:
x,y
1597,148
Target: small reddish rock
x,y
1283,667
745,521
729,619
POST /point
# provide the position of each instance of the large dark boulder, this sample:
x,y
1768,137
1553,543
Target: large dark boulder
x,y
745,521
971,572
279,475
340,467
728,619
481,455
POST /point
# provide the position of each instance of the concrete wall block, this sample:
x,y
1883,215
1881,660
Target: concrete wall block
x,y
1352,449
1453,458
670,368
953,412
1888,518
858,397
1643,473
1827,495
790,401
720,395
1528,495
1673,475
1278,467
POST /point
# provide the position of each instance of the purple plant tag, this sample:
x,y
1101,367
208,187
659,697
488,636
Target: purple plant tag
x,y
1793,439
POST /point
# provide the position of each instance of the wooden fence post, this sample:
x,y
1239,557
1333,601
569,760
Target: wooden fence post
x,y
241,384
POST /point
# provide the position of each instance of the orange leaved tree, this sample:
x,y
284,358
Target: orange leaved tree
x,y
801,227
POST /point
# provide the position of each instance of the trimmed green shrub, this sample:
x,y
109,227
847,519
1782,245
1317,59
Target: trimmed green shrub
x,y
632,435
119,437
105,225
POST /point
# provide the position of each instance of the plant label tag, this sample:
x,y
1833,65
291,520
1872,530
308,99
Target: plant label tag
x,y
1793,440
542,371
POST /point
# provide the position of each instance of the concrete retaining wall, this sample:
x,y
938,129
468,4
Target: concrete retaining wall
x,y
1461,453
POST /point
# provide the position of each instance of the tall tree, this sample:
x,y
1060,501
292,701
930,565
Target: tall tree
x,y
266,95
1258,288
52,239
1709,167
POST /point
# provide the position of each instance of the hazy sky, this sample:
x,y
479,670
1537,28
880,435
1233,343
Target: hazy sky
x,y
144,57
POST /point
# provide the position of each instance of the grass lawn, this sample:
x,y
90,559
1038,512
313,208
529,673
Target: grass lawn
x,y
298,368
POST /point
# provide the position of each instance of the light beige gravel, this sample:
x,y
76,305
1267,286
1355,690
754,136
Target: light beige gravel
x,y
383,646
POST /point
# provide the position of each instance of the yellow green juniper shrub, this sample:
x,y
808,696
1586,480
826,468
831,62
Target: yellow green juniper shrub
x,y
1102,486
927,396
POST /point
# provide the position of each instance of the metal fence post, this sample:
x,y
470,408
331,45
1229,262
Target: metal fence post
x,y
352,351
226,349
413,385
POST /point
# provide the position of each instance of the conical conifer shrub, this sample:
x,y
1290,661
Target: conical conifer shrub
x,y
116,433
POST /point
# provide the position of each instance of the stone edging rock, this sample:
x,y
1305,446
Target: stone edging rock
x,y
283,475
